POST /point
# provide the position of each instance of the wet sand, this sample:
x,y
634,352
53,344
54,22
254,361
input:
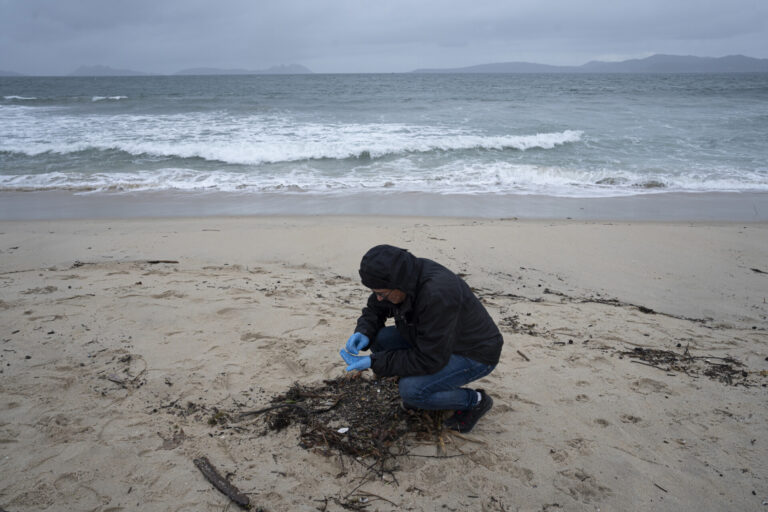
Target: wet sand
x,y
712,207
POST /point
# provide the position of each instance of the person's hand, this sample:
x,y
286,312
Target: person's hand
x,y
355,362
357,342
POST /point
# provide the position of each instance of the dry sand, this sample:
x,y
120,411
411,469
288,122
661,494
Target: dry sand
x,y
103,349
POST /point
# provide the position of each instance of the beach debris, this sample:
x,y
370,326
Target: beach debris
x,y
46,290
356,416
376,426
723,369
513,324
211,474
523,356
126,373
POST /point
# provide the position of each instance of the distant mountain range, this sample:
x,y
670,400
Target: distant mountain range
x,y
292,69
653,64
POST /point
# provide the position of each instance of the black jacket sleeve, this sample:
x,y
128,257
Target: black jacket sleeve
x,y
375,314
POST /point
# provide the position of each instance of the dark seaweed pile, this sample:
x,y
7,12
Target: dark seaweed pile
x,y
353,416
723,369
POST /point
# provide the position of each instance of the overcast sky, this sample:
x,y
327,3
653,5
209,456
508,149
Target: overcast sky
x,y
341,36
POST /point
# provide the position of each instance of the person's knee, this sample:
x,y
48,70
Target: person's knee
x,y
411,394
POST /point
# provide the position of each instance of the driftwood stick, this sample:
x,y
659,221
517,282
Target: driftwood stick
x,y
222,484
523,356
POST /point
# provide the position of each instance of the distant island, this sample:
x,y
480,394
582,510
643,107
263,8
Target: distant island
x,y
653,64
9,73
290,69
105,71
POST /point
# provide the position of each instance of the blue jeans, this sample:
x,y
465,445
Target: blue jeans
x,y
441,390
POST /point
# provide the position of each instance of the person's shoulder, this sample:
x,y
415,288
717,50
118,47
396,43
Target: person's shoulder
x,y
439,283
432,269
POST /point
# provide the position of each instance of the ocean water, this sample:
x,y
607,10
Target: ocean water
x,y
337,136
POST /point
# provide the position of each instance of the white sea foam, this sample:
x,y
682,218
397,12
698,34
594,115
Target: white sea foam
x,y
402,176
19,98
109,98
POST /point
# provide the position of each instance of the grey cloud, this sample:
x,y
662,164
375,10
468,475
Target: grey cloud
x,y
38,36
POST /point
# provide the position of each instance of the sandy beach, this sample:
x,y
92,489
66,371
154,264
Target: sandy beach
x,y
119,337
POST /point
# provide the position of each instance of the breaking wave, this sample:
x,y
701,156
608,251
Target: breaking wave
x,y
253,141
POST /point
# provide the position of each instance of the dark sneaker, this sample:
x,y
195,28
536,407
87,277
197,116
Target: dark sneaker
x,y
464,421
407,408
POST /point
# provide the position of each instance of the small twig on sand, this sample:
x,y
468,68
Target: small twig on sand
x,y
523,356
366,493
117,380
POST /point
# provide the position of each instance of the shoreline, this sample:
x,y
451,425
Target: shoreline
x,y
715,206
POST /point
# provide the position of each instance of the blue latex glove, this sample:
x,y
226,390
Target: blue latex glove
x,y
355,362
357,342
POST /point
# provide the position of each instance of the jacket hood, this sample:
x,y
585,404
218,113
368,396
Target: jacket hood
x,y
389,267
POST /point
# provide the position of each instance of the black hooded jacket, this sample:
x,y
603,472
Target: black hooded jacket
x,y
440,315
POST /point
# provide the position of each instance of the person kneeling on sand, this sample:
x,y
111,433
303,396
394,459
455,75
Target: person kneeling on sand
x,y
443,337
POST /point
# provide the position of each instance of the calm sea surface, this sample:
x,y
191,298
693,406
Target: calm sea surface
x,y
565,136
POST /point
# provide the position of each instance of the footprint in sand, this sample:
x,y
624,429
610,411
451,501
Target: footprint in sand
x,y
647,386
581,445
79,495
168,294
558,456
252,336
580,485
628,418
41,495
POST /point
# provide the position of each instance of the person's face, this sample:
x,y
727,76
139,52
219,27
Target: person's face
x,y
393,296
